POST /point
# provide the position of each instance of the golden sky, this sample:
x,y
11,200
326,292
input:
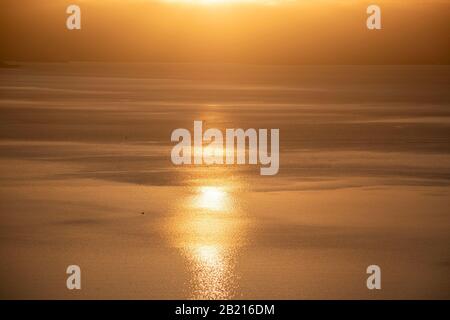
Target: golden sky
x,y
246,31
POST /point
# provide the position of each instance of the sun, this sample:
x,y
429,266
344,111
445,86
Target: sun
x,y
203,2
213,2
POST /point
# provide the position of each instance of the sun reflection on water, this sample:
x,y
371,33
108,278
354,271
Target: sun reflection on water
x,y
213,276
212,198
209,228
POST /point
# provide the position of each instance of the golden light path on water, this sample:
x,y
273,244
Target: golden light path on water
x,y
212,198
209,228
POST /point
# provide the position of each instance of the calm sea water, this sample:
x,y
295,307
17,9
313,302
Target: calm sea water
x,y
86,179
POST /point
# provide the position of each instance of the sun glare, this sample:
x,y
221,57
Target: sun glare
x,y
212,198
213,2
